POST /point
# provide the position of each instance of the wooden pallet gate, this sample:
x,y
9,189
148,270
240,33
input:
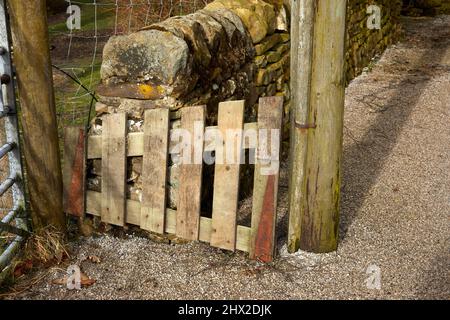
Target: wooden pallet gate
x,y
114,145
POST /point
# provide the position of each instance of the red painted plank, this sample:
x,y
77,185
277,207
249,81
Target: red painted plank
x,y
74,172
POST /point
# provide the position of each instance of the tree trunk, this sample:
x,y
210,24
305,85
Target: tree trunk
x,y
38,114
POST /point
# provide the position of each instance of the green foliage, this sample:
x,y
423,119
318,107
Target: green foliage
x,y
72,101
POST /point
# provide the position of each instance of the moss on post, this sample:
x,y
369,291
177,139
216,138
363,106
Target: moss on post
x,y
315,171
38,112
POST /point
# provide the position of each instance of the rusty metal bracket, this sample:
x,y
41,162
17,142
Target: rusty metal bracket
x,y
305,126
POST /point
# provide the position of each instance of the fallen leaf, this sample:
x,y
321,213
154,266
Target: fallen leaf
x,y
85,281
23,268
253,271
94,259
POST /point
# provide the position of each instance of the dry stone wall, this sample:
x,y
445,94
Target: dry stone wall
x,y
425,7
230,50
363,43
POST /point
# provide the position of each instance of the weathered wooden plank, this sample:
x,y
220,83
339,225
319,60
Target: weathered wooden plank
x,y
94,207
74,173
190,176
114,168
154,169
265,188
226,175
136,142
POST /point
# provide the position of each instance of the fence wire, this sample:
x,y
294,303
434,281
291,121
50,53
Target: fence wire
x,y
76,53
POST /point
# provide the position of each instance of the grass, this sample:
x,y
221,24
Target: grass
x,y
46,246
105,18
72,101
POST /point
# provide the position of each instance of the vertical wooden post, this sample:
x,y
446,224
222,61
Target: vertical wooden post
x,y
317,123
302,34
38,114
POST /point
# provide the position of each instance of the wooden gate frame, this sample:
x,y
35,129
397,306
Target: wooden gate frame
x,y
154,143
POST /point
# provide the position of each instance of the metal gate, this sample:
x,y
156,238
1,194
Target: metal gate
x,y
14,222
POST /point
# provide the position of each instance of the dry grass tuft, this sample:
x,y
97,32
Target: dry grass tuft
x,y
47,247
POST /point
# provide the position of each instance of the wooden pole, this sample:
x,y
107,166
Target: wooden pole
x,y
302,30
317,123
38,113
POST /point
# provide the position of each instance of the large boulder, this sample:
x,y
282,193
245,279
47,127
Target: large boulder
x,y
149,56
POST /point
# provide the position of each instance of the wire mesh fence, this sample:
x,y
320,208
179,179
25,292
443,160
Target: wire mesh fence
x,y
77,45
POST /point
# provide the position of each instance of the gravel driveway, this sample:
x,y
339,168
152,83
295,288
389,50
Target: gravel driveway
x,y
395,205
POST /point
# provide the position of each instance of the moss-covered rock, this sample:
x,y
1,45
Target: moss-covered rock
x,y
150,55
258,16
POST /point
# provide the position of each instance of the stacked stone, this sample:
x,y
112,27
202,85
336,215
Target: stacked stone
x,y
363,44
267,23
417,8
204,58
273,61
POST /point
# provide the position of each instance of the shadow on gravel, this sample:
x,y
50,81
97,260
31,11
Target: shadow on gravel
x,y
365,158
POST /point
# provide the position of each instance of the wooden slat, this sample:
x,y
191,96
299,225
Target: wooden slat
x,y
73,173
190,176
114,168
154,169
226,176
135,146
94,205
265,189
